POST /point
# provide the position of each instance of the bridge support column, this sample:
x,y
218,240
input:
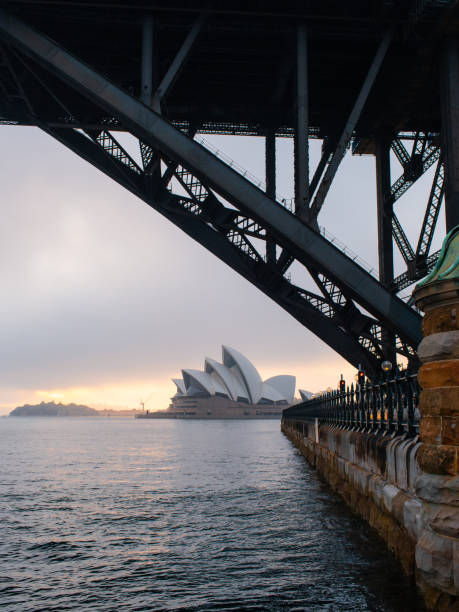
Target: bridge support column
x,y
450,129
437,549
385,244
146,93
270,172
302,126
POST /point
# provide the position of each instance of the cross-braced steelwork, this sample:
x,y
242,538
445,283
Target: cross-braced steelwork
x,y
425,152
195,69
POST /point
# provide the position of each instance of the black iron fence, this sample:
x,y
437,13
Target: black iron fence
x,y
389,406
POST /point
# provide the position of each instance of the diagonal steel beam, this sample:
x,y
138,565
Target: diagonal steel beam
x,y
407,179
179,62
406,279
297,302
359,336
400,151
324,158
401,239
432,210
350,125
305,244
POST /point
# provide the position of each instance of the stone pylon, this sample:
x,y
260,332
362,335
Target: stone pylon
x,y
437,550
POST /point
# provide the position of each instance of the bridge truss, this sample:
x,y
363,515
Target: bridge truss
x,y
72,98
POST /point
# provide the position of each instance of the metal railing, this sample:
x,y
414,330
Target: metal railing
x,y
230,162
387,407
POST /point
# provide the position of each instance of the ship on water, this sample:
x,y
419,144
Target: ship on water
x,y
230,389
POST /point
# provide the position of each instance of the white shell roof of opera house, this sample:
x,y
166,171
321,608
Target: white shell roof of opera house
x,y
237,379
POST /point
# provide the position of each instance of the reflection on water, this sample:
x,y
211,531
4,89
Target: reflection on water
x,y
105,514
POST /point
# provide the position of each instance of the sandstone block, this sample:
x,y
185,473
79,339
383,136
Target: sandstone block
x,y
362,478
439,401
443,519
438,459
444,345
398,503
456,566
450,430
412,517
443,373
438,489
434,559
441,319
389,493
436,599
430,429
378,494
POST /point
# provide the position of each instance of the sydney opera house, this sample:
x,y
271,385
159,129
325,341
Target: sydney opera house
x,y
231,389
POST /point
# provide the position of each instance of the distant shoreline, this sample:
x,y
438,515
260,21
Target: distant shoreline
x,y
51,409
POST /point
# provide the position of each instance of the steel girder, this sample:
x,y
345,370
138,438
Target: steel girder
x,y
50,75
345,139
425,152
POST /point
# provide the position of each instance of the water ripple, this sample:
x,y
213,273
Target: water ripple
x,y
134,515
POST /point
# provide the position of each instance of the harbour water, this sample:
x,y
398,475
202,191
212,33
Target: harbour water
x,y
125,514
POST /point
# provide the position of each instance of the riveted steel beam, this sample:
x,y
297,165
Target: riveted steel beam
x,y
350,126
303,306
401,239
450,129
301,131
270,172
432,210
385,243
146,86
178,64
288,231
358,335
384,210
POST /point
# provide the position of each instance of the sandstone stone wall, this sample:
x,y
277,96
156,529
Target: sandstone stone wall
x,y
437,550
380,479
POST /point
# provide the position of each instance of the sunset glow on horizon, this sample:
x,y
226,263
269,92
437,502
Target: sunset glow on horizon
x,y
156,393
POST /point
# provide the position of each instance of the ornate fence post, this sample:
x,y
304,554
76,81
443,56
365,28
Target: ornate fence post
x,y
366,408
358,409
438,456
389,407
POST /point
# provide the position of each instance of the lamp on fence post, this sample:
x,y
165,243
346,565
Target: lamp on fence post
x,y
386,367
361,376
386,412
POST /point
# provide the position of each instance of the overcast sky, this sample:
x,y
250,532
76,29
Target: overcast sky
x,y
103,300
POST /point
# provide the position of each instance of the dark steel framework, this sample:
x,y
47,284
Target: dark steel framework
x,y
165,72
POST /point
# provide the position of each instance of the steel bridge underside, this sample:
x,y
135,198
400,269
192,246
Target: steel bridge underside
x,y
351,76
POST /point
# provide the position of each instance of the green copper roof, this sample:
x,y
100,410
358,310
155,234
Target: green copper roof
x,y
447,266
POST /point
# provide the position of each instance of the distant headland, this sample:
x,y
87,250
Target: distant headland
x,y
53,409
66,410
